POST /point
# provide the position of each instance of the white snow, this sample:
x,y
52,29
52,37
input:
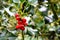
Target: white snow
x,y
27,18
43,8
10,13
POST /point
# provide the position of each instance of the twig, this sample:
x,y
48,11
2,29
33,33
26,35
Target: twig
x,y
22,35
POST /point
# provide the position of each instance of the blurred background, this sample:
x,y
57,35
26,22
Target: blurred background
x,y
43,19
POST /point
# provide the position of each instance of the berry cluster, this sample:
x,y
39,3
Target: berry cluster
x,y
21,22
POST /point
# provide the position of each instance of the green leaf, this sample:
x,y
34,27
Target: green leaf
x,y
40,24
16,1
22,0
27,37
12,38
3,38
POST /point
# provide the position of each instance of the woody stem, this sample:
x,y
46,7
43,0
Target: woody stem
x,y
22,35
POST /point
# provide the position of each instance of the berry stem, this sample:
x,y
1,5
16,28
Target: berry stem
x,y
22,35
37,37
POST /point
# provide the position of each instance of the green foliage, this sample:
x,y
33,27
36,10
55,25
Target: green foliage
x,y
32,9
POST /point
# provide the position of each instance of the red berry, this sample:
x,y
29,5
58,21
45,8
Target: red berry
x,y
25,24
20,22
23,20
17,15
17,27
18,18
21,25
22,28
